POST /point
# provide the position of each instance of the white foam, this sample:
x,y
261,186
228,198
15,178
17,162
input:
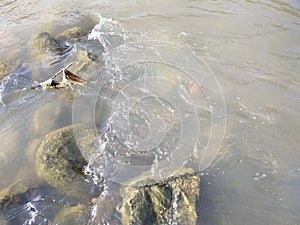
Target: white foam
x,y
105,28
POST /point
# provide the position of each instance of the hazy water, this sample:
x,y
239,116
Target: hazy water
x,y
252,47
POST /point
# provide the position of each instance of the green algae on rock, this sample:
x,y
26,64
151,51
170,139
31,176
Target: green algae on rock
x,y
60,163
46,43
6,68
73,34
173,200
17,194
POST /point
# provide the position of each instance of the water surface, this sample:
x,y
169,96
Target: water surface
x,y
252,48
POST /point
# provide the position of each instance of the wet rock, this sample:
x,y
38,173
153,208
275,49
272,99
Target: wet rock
x,y
73,34
172,201
76,215
58,45
47,118
17,194
5,68
66,45
46,43
24,199
61,42
60,162
82,60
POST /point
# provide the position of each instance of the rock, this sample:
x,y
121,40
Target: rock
x,y
73,34
46,43
172,201
65,45
82,60
60,163
76,215
17,194
24,199
5,68
61,42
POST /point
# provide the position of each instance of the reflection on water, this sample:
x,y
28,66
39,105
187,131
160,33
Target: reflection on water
x,y
252,47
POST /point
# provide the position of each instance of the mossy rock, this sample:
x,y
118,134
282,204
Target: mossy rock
x,y
61,42
73,34
6,68
168,202
75,215
17,194
60,163
57,49
46,43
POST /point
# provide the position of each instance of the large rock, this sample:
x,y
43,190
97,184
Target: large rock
x,y
172,201
17,194
49,46
59,162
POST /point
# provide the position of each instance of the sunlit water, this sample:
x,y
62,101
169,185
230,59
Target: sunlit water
x,y
251,47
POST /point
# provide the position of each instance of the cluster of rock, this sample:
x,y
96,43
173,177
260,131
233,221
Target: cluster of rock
x,y
59,164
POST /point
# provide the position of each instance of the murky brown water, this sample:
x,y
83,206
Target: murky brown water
x,y
253,50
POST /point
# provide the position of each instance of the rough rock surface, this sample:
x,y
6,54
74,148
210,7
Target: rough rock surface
x,y
172,201
59,162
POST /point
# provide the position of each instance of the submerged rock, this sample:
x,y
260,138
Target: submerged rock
x,y
61,42
73,34
172,201
17,194
76,215
6,68
47,47
59,162
46,43
68,44
82,60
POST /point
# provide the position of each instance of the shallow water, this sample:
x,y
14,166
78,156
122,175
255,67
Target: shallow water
x,y
252,50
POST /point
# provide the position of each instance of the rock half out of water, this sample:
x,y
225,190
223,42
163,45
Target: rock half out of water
x,y
168,202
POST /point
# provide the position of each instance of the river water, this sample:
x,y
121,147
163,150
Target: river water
x,y
252,52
